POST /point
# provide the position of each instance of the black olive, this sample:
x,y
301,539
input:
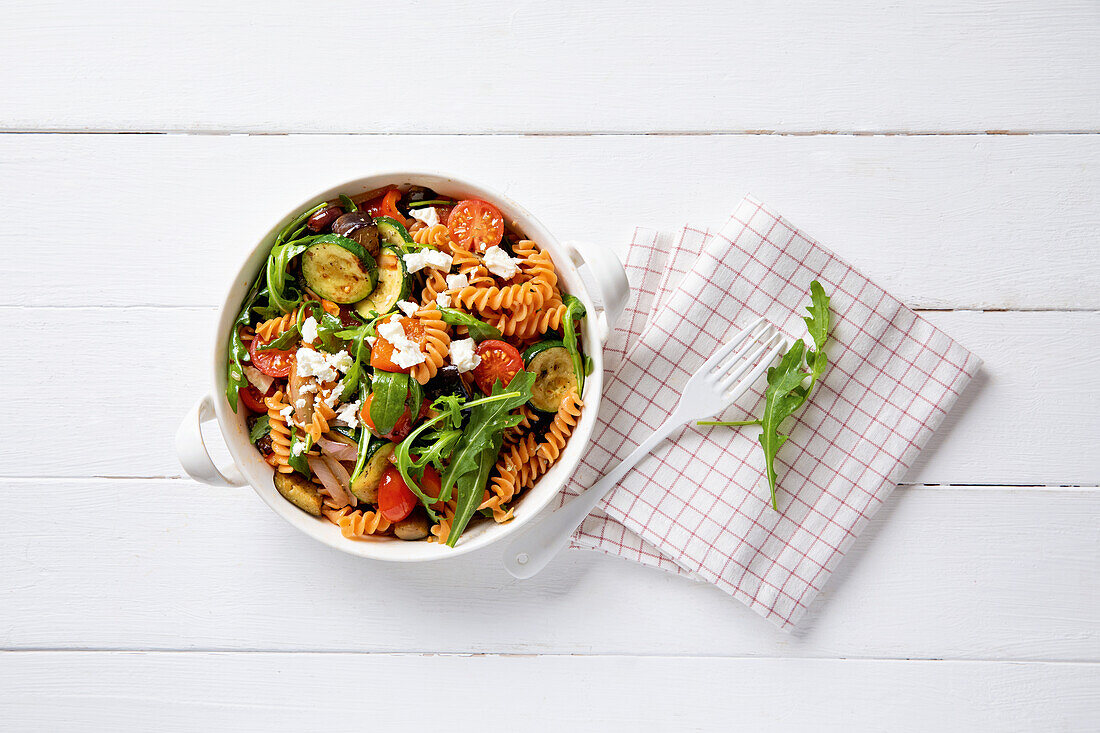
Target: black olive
x,y
446,381
320,220
358,225
418,193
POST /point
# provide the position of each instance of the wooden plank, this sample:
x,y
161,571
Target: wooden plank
x,y
138,370
942,573
262,692
940,222
638,67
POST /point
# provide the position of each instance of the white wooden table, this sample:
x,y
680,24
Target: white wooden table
x,y
949,150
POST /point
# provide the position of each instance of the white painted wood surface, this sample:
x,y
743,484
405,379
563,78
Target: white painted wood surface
x,y
1011,222
250,692
576,66
132,598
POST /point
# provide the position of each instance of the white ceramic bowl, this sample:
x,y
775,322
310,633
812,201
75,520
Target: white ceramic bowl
x,y
611,291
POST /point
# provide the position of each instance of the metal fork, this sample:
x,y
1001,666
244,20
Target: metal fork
x,y
722,379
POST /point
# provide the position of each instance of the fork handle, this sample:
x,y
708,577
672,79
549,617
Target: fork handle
x,y
533,549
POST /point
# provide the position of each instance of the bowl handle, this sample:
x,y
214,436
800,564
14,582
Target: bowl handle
x,y
191,450
613,289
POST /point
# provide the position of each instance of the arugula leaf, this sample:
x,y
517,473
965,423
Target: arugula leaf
x,y
479,330
479,431
574,309
787,388
387,404
483,435
238,353
470,487
286,338
281,294
260,428
288,232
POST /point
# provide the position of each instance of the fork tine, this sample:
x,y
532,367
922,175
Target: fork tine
x,y
740,388
734,372
740,355
729,346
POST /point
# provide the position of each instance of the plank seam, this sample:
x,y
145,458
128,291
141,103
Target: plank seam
x,y
556,133
530,655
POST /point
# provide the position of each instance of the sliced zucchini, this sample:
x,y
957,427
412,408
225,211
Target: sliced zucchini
x,y
394,284
365,485
413,527
391,232
553,368
300,492
339,269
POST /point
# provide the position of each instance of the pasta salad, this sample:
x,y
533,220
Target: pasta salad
x,y
408,364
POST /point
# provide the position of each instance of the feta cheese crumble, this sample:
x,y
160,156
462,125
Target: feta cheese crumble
x,y
463,356
457,282
417,261
309,330
322,367
408,307
500,264
428,215
332,396
349,414
300,403
406,352
443,300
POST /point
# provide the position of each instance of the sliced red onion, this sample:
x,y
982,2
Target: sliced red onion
x,y
338,471
339,451
258,379
329,481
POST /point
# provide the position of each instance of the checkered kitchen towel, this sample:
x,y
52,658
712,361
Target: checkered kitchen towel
x,y
699,504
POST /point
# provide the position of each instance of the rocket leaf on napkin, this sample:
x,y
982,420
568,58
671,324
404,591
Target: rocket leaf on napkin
x,y
787,388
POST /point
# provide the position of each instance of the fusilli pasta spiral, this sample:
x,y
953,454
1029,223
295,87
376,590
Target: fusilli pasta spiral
x,y
436,343
559,431
438,236
280,432
271,329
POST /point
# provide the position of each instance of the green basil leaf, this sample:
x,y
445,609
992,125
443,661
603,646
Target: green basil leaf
x,y
391,389
364,439
348,204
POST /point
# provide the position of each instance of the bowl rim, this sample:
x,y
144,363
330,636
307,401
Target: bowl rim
x,y
534,501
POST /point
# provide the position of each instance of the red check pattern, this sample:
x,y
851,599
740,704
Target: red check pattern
x,y
699,505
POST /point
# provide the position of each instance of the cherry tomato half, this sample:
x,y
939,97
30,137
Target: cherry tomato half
x,y
273,363
476,225
381,354
253,399
396,500
401,428
500,361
